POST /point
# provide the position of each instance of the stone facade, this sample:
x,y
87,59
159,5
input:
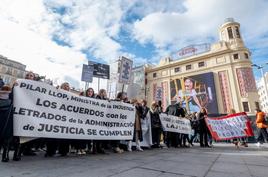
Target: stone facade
x,y
221,77
11,70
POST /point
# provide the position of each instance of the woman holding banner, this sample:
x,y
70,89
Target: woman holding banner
x,y
6,122
203,128
155,125
18,149
121,96
64,143
137,126
98,145
91,94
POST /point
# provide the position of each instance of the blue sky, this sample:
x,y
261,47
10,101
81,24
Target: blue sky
x,y
55,38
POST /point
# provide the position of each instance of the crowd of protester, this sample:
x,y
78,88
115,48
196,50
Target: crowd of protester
x,y
160,138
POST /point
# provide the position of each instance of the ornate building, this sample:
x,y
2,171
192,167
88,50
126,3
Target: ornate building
x,y
219,78
11,70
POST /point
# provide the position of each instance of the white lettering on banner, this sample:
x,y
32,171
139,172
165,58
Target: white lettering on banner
x,y
175,124
228,127
40,110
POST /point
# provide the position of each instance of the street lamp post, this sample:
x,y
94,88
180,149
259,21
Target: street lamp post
x,y
263,76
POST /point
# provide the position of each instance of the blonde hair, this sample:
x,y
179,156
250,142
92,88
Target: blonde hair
x,y
232,111
154,104
133,100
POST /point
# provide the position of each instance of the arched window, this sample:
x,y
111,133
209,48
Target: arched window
x,y
230,33
237,32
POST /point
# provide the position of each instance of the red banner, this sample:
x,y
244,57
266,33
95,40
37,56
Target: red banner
x,y
229,127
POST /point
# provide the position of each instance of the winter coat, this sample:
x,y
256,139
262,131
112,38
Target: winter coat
x,y
137,124
155,119
195,123
6,119
202,122
175,110
260,120
145,111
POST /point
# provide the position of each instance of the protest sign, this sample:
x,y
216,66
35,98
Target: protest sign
x,y
87,73
100,70
175,124
41,110
125,70
229,127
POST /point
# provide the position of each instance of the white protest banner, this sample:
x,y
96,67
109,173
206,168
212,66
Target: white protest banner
x,y
175,124
41,110
229,127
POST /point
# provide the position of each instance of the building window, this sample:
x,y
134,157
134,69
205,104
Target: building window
x,y
188,67
15,73
257,105
4,69
201,64
237,32
177,69
246,55
236,56
230,33
245,106
9,71
154,74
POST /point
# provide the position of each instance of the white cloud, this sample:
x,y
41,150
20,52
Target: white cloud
x,y
95,24
200,20
26,37
27,28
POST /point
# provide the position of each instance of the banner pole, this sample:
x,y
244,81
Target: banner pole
x,y
123,88
98,84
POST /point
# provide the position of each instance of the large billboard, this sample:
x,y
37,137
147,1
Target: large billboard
x,y
195,92
100,70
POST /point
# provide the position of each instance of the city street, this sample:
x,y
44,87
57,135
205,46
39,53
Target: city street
x,y
223,160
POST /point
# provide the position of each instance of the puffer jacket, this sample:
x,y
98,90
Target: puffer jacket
x,y
260,120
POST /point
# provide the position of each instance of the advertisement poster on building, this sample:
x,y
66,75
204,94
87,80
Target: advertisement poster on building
x,y
195,92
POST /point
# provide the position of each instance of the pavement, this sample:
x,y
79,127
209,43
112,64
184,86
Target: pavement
x,y
223,160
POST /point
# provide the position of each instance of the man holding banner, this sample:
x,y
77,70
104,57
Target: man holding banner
x,y
173,138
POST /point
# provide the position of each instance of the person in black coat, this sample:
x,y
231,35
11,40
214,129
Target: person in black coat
x,y
1,83
6,125
98,145
203,128
195,126
155,125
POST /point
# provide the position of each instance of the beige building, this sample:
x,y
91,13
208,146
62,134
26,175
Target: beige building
x,y
219,79
11,70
